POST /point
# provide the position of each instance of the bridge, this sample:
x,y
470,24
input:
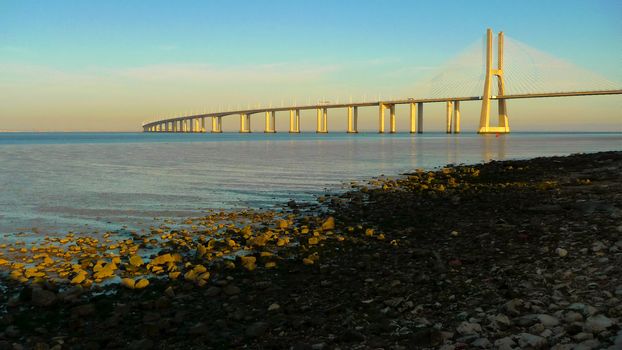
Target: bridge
x,y
197,123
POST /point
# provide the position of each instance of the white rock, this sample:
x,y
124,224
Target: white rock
x,y
597,324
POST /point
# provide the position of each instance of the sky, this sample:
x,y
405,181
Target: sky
x,y
110,65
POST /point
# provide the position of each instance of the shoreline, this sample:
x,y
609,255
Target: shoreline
x,y
503,254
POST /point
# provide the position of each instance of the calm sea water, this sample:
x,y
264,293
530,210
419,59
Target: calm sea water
x,y
58,182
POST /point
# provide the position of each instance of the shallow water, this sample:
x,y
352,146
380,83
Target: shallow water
x,y
86,181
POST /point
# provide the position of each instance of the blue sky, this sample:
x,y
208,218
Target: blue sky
x,y
51,50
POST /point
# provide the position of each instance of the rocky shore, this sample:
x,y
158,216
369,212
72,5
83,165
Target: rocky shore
x,y
504,255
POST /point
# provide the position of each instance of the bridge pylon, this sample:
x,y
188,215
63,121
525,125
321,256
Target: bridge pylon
x,y
484,121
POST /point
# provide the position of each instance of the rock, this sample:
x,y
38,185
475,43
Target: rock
x,y
502,321
142,344
5,345
561,252
505,343
583,336
83,310
169,292
426,337
393,302
256,329
42,297
585,310
598,246
533,341
597,324
512,306
198,329
212,291
274,307
231,289
483,343
351,335
548,321
467,328
318,346
11,332
572,316
588,345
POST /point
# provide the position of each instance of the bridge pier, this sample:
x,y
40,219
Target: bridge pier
x,y
420,117
456,117
381,108
325,118
413,116
294,120
245,123
270,122
216,124
448,119
392,119
351,129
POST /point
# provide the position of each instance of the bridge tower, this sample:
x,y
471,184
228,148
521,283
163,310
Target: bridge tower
x,y
484,121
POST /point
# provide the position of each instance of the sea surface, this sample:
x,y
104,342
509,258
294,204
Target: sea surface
x,y
82,182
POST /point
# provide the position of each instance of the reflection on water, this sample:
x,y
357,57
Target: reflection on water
x,y
66,181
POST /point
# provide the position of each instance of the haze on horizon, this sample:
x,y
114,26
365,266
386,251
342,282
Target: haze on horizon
x,y
109,65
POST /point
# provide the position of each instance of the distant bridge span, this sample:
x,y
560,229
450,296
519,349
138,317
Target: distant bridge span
x,y
196,123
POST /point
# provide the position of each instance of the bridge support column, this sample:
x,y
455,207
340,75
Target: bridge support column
x,y
350,120
420,117
270,122
392,119
381,118
413,116
355,121
244,123
319,128
449,110
456,117
202,124
325,119
297,120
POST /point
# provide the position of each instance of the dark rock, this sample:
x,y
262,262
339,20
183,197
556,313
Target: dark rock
x,y
256,329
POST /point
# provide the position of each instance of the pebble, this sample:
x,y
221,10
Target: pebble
x,y
256,329
42,297
468,328
597,324
529,340
502,320
505,343
212,291
483,343
561,252
231,289
274,307
548,321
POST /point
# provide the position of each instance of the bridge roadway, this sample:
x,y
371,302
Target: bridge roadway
x,y
196,123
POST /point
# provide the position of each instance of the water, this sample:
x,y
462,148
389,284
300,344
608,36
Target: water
x,y
57,182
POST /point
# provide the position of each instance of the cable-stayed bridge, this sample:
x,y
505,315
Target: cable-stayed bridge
x,y
457,83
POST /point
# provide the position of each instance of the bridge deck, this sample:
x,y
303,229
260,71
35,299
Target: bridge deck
x,y
391,102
